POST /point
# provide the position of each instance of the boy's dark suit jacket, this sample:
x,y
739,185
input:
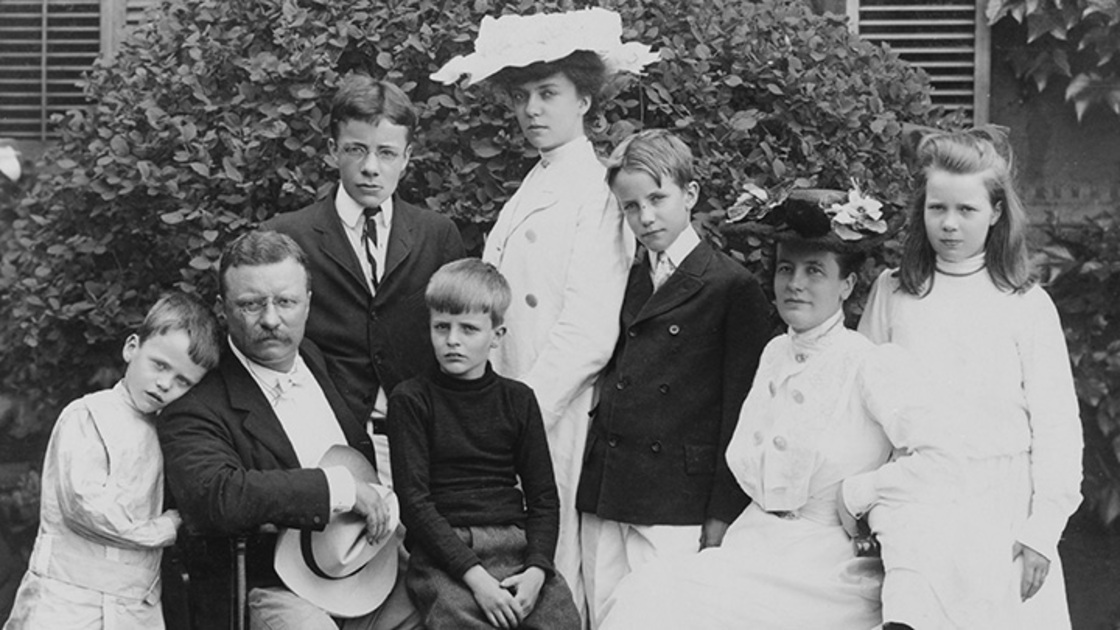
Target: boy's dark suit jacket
x,y
671,394
371,340
231,468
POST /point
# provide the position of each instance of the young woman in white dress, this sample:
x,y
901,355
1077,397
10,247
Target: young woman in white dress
x,y
560,240
963,302
813,446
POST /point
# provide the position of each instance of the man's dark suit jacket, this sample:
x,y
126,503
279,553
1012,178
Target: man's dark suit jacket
x,y
371,340
231,469
685,359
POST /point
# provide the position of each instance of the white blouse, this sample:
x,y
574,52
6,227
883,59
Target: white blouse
x,y
1001,358
827,405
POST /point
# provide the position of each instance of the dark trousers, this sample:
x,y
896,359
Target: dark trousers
x,y
445,602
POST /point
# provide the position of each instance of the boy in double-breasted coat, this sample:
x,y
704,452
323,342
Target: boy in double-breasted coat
x,y
693,324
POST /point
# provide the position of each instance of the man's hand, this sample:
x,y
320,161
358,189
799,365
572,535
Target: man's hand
x,y
1035,569
847,519
711,533
498,604
369,504
526,588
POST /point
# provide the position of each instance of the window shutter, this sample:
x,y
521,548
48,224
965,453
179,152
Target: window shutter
x,y
135,11
949,40
45,46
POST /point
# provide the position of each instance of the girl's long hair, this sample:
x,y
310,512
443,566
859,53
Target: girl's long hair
x,y
987,153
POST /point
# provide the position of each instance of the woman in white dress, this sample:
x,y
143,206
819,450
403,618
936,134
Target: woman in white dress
x,y
814,443
964,304
560,240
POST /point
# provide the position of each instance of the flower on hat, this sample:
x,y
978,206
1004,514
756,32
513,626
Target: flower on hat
x,y
810,212
521,40
861,216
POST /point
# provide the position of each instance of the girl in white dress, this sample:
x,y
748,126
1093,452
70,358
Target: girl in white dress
x,y
560,240
964,303
813,446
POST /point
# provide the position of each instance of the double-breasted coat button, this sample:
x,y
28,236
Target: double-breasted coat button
x,y
780,443
633,332
317,520
674,329
655,447
621,384
612,441
531,300
800,357
663,388
757,438
531,236
798,397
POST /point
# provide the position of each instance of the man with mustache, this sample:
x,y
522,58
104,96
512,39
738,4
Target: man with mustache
x,y
241,452
371,255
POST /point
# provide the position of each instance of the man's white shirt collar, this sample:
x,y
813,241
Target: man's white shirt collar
x,y
350,211
273,383
679,249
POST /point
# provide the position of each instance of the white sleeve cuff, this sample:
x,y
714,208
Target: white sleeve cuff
x,y
343,490
859,494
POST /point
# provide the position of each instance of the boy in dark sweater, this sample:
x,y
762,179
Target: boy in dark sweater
x,y
462,439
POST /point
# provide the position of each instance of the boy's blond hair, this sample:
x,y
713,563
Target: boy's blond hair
x,y
655,152
179,311
469,285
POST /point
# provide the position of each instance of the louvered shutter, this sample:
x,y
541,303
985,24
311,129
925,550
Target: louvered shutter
x,y
136,10
45,46
949,40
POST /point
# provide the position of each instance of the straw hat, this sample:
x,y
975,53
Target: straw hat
x,y
520,40
337,569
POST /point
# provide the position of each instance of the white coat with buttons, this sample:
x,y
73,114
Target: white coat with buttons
x,y
562,244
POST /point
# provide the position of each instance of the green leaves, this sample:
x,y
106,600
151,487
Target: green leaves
x,y
1070,39
1082,263
214,118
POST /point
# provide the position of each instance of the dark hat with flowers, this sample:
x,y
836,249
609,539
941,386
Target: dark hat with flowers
x,y
836,219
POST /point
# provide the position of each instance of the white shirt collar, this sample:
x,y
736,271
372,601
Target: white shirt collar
x,y
679,249
350,211
575,146
273,383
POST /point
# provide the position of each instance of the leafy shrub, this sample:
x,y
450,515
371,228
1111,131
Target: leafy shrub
x,y
1086,258
214,117
1075,41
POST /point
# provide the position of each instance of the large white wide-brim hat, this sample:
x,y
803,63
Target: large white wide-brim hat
x,y
516,41
337,569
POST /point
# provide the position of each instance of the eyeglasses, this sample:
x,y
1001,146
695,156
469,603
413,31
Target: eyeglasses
x,y
358,153
257,306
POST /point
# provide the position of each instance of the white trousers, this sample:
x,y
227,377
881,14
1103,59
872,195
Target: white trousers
x,y
611,550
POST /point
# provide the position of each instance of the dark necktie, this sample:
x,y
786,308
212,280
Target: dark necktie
x,y
369,241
